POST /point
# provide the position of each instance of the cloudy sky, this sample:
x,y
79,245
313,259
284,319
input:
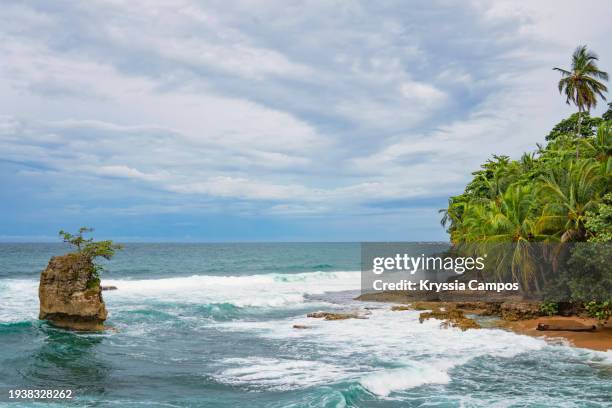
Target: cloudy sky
x,y
270,120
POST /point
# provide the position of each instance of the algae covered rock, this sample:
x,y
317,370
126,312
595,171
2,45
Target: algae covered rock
x,y
451,317
513,311
70,294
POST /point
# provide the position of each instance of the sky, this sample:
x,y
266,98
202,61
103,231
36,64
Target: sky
x,y
271,120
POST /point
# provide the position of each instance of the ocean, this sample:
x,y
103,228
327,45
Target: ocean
x,y
211,325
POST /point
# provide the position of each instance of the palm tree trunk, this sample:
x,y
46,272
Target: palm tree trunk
x,y
578,131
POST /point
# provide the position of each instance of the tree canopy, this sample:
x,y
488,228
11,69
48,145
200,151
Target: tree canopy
x,y
91,249
547,197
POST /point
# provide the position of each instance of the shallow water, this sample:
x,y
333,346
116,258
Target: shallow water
x,y
211,325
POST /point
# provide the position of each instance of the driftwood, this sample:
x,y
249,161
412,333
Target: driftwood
x,y
574,327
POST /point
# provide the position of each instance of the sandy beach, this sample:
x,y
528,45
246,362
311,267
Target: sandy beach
x,y
601,339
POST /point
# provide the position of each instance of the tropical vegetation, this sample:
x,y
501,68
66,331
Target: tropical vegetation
x,y
91,249
548,213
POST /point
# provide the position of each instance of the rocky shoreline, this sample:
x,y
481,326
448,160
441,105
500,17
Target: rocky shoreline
x,y
463,310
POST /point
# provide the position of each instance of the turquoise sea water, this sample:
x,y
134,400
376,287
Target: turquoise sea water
x,y
211,325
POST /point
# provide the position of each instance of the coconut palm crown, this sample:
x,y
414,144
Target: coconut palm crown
x,y
581,84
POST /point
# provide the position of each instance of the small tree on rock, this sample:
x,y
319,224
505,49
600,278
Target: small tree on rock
x,y
91,249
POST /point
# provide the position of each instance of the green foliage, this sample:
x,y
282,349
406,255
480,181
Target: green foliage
x,y
582,84
566,194
599,223
561,193
77,239
569,126
548,196
549,308
92,249
588,273
608,114
94,282
556,192
104,249
600,310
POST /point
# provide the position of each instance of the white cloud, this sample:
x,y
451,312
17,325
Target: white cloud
x,y
187,33
125,172
420,93
322,108
231,187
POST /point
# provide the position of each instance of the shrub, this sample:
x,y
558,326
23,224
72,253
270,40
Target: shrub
x,y
600,310
599,223
588,272
569,126
91,249
549,308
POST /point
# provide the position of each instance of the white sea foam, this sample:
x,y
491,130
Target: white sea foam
x,y
416,374
267,290
19,297
418,353
18,300
358,350
278,374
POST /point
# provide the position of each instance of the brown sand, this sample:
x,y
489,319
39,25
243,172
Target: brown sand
x,y
598,340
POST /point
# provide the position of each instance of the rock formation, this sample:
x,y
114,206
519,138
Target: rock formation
x,y
450,316
513,311
336,316
70,295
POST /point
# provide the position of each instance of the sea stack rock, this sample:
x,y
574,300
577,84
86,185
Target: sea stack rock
x,y
70,297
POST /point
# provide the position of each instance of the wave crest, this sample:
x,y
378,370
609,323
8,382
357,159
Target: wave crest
x,y
267,290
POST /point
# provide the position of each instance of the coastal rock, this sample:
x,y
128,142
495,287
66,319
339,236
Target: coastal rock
x,y
513,311
398,296
69,296
569,309
481,308
451,317
335,316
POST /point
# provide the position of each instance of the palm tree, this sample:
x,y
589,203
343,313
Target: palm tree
x,y
568,193
600,146
580,83
506,230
